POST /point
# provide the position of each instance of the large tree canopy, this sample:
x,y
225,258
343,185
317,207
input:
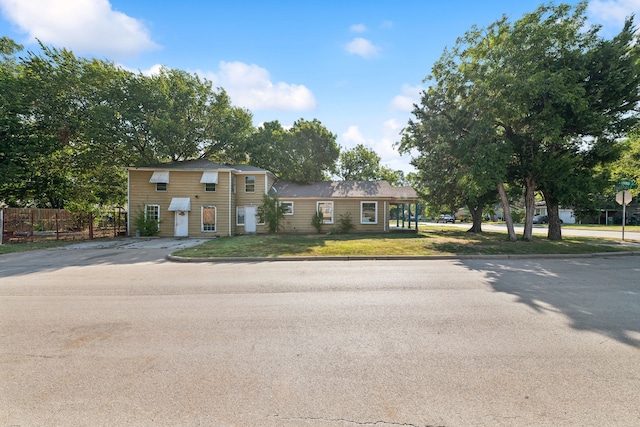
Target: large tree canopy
x,y
539,103
305,153
70,125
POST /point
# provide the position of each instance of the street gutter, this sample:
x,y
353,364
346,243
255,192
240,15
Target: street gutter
x,y
175,258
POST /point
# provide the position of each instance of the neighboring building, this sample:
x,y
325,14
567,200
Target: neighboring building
x,y
566,215
203,198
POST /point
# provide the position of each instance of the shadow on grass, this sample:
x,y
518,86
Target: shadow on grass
x,y
291,245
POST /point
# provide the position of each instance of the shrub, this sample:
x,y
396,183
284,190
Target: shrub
x,y
271,213
147,227
317,220
345,224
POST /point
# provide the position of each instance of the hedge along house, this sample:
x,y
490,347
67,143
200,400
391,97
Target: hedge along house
x,y
207,199
367,202
198,197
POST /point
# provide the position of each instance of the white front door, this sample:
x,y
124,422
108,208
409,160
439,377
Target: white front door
x,y
250,213
181,224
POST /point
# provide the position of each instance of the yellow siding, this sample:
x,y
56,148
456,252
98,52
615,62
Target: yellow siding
x,y
254,198
185,184
304,209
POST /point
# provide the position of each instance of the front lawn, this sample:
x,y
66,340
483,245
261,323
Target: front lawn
x,y
431,241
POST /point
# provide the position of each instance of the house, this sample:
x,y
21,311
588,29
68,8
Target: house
x,y
368,203
566,215
203,198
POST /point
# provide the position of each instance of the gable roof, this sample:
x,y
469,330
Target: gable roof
x,y
345,190
199,165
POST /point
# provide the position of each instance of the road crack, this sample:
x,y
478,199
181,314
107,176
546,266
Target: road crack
x,y
354,422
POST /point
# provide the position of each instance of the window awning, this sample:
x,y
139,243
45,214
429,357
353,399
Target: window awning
x,y
209,178
160,177
180,204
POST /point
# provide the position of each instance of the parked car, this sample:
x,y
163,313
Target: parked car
x,y
447,218
542,219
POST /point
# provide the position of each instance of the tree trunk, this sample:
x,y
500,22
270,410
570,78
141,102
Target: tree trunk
x,y
529,201
555,229
507,212
476,215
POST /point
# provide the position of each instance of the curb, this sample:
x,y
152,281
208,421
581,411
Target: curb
x,y
397,257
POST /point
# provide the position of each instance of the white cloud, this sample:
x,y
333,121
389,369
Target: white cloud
x,y
363,48
358,28
83,26
383,144
354,136
409,95
250,86
612,11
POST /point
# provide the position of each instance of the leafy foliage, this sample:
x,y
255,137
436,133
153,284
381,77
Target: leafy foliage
x,y
305,153
317,220
146,226
272,213
539,103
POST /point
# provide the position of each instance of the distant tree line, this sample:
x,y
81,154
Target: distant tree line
x,y
540,105
69,126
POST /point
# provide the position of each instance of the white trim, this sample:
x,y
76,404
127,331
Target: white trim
x,y
332,210
215,219
145,212
375,221
238,223
291,202
231,175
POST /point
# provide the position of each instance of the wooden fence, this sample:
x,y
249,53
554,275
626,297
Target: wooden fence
x,y
30,225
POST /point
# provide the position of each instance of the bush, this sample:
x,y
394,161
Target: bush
x,y
272,213
147,227
317,221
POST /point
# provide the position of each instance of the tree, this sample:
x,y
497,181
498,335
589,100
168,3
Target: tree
x,y
540,86
359,164
266,148
305,153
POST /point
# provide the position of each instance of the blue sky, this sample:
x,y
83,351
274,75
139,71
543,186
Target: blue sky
x,y
357,66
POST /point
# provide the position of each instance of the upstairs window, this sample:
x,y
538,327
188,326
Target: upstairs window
x,y
160,179
209,179
249,184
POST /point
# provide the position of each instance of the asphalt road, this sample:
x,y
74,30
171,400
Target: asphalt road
x,y
116,335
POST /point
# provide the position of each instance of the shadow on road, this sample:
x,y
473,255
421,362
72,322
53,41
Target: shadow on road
x,y
123,252
584,292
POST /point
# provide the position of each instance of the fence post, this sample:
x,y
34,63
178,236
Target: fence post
x,y
90,225
1,226
57,226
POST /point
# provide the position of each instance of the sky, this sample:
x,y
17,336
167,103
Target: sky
x,y
356,66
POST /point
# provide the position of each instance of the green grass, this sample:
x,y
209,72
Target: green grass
x,y
430,241
32,246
